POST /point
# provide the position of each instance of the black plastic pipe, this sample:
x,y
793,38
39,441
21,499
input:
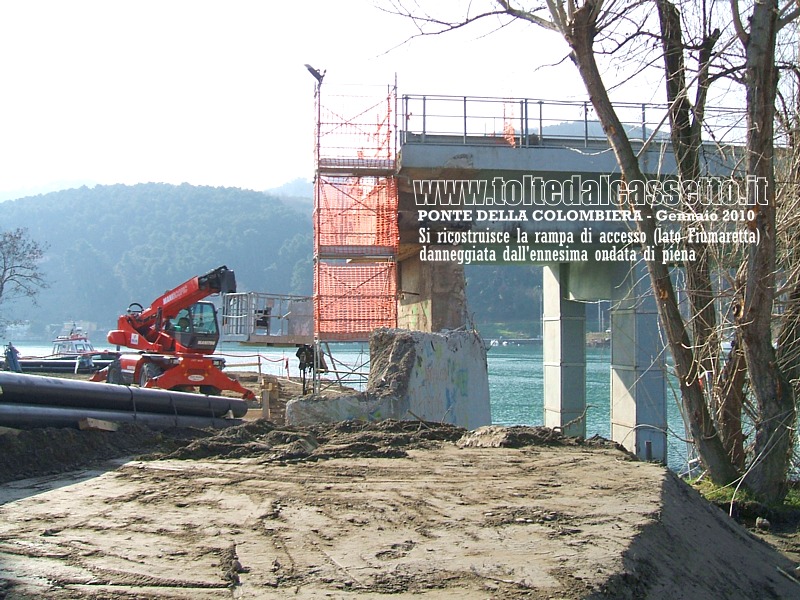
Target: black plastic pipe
x,y
19,388
27,416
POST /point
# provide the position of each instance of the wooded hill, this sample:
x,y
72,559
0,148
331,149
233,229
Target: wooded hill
x,y
109,246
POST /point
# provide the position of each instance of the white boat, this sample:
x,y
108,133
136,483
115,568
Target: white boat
x,y
72,353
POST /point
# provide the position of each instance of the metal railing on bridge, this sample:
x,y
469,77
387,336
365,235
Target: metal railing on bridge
x,y
528,122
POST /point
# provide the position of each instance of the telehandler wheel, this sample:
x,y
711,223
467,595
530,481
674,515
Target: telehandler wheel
x,y
148,372
114,373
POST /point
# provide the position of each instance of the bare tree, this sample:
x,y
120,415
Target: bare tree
x,y
20,276
580,27
724,395
770,387
789,211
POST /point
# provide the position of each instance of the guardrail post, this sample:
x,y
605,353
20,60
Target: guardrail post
x,y
465,120
406,118
585,124
541,130
424,116
644,125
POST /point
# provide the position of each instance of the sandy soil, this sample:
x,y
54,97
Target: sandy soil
x,y
381,510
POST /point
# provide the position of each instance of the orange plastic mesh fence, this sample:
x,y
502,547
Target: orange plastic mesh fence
x,y
356,216
356,127
350,300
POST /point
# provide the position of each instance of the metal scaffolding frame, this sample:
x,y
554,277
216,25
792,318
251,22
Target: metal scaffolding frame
x,y
355,215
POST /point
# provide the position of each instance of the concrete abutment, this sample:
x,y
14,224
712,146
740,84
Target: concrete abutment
x,y
441,377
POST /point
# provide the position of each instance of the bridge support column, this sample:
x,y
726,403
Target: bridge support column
x,y
638,397
564,354
432,295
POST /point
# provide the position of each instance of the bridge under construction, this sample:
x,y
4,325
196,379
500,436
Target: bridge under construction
x,y
394,177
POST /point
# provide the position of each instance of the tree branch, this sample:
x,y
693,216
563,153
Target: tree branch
x,y
530,17
737,23
442,25
787,18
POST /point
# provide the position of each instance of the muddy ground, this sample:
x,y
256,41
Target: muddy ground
x,y
391,509
353,510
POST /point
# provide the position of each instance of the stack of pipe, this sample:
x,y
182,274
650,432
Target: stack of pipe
x,y
29,401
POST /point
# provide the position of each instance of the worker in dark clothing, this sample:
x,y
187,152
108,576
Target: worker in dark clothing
x,y
12,359
305,354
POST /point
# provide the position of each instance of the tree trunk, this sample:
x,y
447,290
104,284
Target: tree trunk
x,y
685,129
789,339
773,394
729,400
580,37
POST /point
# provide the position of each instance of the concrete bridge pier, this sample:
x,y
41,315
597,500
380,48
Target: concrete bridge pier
x,y
638,387
563,353
432,295
638,397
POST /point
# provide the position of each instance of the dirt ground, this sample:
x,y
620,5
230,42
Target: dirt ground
x,y
391,509
354,510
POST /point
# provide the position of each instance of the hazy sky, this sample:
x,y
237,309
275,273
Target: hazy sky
x,y
215,93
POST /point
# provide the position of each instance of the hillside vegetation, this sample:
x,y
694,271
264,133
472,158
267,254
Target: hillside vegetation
x,y
108,246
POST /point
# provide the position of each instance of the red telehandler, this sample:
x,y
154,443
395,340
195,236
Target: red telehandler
x,y
174,336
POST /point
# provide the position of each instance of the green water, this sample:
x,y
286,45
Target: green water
x,y
516,390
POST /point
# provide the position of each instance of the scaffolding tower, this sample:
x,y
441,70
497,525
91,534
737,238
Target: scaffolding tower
x,y
355,214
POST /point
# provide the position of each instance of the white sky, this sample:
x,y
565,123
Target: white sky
x,y
215,93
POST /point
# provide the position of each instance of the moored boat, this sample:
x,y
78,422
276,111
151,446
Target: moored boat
x,y
72,353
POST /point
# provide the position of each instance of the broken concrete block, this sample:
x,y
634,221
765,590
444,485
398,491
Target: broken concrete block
x,y
361,406
439,377
91,424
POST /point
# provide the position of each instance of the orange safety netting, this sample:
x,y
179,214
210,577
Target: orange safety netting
x,y
356,128
356,216
352,299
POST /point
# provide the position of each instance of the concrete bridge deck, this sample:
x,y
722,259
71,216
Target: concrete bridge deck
x,y
458,142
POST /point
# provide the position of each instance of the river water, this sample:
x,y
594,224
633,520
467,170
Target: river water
x,y
515,383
